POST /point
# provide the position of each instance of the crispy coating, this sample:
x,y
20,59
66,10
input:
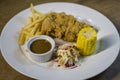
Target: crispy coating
x,y
62,26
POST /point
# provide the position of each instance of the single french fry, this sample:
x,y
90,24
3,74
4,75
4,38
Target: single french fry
x,y
38,30
38,33
26,26
21,38
36,18
27,33
29,29
35,11
39,13
35,28
30,20
32,10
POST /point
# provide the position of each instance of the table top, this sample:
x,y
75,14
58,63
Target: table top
x,y
110,8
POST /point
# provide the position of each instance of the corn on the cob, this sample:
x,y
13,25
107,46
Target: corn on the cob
x,y
86,41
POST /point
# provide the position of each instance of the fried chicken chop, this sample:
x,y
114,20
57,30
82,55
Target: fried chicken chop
x,y
62,26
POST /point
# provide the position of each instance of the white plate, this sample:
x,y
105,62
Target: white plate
x,y
94,64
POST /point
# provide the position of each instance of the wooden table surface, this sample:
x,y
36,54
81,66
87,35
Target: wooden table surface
x,y
110,8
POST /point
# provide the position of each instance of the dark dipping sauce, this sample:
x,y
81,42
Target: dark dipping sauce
x,y
40,46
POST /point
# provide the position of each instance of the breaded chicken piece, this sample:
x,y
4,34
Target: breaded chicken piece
x,y
62,26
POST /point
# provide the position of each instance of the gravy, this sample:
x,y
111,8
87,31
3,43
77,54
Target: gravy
x,y
40,46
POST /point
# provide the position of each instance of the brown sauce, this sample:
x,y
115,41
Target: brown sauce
x,y
40,46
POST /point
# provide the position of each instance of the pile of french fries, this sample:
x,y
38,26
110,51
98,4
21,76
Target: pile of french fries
x,y
33,27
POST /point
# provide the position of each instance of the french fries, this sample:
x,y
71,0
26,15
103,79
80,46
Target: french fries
x,y
33,26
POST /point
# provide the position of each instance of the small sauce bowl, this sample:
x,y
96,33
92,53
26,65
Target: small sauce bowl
x,y
40,57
